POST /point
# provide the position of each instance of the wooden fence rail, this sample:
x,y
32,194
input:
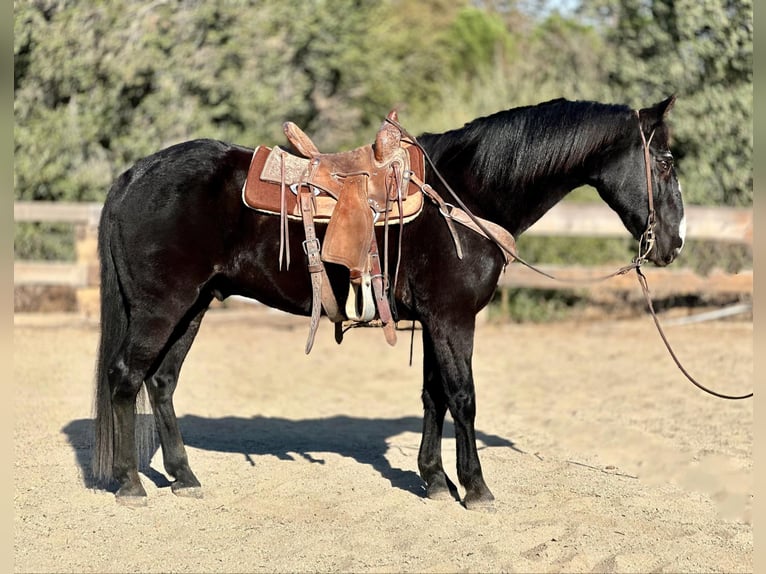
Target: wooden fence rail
x,y
721,224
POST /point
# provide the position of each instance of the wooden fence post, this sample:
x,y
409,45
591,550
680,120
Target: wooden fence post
x,y
86,249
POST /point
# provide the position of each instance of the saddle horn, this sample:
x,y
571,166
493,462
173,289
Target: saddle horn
x,y
388,139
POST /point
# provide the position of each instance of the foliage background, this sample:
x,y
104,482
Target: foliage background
x,y
97,85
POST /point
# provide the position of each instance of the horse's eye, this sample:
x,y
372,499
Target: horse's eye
x,y
665,163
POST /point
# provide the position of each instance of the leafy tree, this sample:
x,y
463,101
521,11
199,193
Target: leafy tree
x,y
98,85
475,40
703,52
353,68
101,85
537,59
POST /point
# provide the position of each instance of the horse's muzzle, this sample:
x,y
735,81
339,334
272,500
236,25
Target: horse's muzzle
x,y
663,260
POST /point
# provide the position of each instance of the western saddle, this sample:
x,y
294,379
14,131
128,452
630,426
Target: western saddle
x,y
351,193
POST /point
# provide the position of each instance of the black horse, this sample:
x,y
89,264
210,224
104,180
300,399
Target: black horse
x,y
175,233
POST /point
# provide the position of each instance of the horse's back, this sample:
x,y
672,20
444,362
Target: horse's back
x,y
190,180
180,167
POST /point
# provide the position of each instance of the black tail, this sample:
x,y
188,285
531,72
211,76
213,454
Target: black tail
x,y
114,329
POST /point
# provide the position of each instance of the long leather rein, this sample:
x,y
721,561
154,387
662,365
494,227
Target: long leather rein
x,y
645,245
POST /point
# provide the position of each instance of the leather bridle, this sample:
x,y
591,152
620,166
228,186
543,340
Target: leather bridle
x,y
647,240
645,244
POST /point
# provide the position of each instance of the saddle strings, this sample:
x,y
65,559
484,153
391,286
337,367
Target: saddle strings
x,y
646,243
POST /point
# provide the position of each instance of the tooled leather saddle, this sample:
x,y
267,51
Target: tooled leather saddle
x,y
351,193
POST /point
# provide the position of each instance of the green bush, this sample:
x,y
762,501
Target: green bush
x,y
44,241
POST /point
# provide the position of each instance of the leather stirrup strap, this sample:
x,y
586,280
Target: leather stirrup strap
x,y
322,295
401,181
315,265
284,237
399,200
381,301
329,302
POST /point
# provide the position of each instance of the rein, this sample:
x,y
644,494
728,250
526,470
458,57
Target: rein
x,y
645,245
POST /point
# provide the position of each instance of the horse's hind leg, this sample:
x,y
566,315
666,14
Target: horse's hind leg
x,y
161,386
127,370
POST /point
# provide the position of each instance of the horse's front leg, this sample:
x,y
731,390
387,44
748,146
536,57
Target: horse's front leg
x,y
438,485
448,381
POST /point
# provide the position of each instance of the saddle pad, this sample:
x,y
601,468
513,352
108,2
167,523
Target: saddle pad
x,y
262,188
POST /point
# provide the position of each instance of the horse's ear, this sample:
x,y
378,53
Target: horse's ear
x,y
651,117
665,106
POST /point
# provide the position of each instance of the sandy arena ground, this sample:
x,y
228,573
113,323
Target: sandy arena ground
x,y
602,457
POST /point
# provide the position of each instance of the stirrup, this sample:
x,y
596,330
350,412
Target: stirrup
x,y
367,311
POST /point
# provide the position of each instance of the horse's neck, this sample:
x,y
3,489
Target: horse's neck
x,y
517,209
537,202
517,206
514,198
510,200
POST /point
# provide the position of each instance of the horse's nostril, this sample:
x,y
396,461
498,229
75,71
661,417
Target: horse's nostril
x,y
671,256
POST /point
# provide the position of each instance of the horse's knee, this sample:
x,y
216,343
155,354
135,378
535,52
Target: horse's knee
x,y
463,404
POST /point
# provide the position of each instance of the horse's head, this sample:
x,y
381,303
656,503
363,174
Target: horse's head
x,y
623,185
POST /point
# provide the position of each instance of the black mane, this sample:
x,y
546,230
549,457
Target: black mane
x,y
523,145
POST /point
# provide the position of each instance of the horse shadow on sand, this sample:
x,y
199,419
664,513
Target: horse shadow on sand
x,y
362,439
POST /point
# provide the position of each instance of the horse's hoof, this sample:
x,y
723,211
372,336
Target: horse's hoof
x,y
483,506
131,501
187,491
442,488
439,494
131,493
482,503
